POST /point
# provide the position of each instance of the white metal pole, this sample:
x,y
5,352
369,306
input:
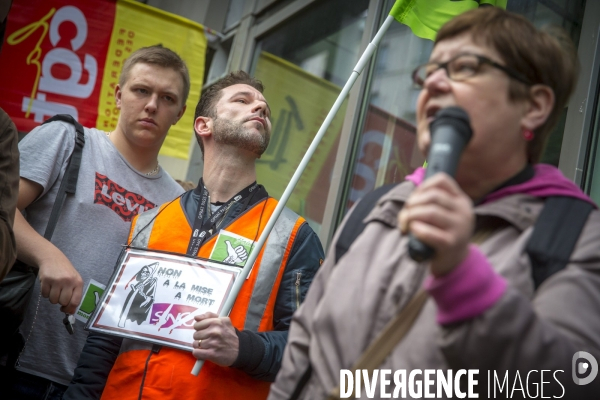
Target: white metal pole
x,y
360,65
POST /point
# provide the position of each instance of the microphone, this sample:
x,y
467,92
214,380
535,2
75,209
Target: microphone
x,y
450,133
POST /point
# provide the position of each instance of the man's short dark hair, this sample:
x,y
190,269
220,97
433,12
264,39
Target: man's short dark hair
x,y
210,97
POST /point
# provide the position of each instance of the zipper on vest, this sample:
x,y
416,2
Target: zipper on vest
x,y
155,349
298,277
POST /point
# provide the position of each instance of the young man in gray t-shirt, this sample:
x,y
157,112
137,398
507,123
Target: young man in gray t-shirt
x,y
119,178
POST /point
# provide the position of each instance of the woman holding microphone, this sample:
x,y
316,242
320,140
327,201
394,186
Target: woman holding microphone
x,y
481,308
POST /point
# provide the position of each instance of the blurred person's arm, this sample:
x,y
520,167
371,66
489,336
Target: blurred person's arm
x,y
9,187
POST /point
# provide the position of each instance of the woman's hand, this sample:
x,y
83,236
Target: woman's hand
x,y
441,215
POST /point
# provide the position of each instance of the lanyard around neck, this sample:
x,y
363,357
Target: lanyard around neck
x,y
204,227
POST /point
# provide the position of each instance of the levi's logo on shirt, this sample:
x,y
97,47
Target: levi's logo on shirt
x,y
125,203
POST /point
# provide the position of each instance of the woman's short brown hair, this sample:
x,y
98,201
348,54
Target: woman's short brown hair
x,y
545,57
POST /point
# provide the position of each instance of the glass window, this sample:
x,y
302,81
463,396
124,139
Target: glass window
x,y
387,149
303,64
569,15
234,13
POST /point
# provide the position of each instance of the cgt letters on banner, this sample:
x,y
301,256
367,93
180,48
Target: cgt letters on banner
x,y
58,49
65,57
48,83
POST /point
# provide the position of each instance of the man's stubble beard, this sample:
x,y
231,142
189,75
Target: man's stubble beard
x,y
235,134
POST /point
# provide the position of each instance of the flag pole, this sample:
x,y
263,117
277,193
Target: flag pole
x,y
360,65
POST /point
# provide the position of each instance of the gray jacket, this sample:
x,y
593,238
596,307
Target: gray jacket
x,y
350,302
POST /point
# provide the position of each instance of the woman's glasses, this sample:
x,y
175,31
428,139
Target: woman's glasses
x,y
460,68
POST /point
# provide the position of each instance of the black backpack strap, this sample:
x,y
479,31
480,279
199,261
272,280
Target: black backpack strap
x,y
69,181
354,225
301,383
555,234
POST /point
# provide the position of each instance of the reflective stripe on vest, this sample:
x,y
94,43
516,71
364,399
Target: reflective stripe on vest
x,y
130,345
269,266
142,227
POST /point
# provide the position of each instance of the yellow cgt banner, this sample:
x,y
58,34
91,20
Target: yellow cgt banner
x,y
138,25
299,103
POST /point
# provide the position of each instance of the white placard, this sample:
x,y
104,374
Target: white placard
x,y
154,296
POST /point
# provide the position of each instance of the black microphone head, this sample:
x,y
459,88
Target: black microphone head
x,y
456,117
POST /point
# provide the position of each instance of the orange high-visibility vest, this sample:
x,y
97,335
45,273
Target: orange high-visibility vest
x,y
166,374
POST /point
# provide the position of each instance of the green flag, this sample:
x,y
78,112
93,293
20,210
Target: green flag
x,y
426,17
